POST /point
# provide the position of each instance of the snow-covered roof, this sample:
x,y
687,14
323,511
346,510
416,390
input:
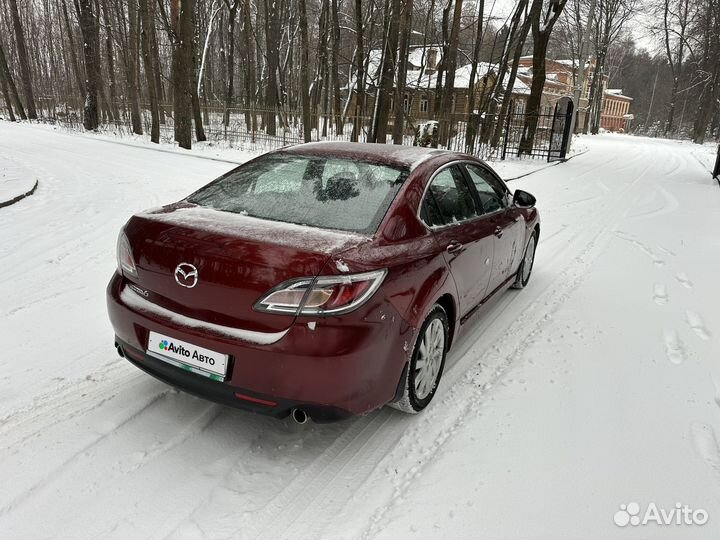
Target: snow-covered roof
x,y
519,87
462,76
617,93
419,56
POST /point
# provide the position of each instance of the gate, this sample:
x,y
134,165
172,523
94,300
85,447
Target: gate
x,y
551,134
560,129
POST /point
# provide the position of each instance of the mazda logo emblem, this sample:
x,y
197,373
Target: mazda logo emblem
x,y
186,275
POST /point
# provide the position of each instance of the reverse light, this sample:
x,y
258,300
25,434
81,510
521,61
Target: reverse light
x,y
126,263
325,295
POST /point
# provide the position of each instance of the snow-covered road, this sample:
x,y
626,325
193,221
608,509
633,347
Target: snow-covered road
x,y
596,386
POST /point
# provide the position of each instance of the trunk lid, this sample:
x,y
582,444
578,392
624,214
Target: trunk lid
x,y
238,260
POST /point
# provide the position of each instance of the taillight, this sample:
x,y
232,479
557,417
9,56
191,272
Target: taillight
x,y
126,263
325,295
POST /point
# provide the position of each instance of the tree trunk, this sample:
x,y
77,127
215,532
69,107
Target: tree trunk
x,y
335,31
110,55
304,82
383,96
441,66
359,73
79,76
132,67
404,30
182,21
471,128
320,82
25,74
541,29
12,92
510,83
272,50
230,58
5,87
250,75
89,26
705,108
147,21
197,113
450,65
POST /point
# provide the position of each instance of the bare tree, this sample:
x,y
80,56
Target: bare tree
x,y
384,93
304,86
90,28
26,76
131,66
180,26
359,70
232,7
9,89
542,25
399,113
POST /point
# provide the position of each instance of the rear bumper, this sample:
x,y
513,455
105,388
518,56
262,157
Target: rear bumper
x,y
343,366
223,393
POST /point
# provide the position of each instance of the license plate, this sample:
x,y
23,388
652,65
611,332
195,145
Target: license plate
x,y
190,357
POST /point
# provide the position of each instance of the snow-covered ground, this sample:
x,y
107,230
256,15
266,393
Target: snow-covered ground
x,y
15,179
596,386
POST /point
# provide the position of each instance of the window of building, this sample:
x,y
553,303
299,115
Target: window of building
x,y
423,104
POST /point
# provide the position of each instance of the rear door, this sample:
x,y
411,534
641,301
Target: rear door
x,y
451,212
508,226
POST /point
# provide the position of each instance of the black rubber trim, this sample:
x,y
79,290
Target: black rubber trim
x,y
19,197
223,393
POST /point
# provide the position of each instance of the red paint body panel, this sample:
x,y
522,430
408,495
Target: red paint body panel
x,y
353,362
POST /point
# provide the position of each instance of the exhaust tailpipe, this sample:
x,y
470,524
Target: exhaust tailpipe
x,y
299,416
119,350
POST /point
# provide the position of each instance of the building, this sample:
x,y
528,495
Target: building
x,y
560,81
615,114
420,93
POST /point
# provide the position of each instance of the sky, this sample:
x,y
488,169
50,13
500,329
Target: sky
x,y
637,27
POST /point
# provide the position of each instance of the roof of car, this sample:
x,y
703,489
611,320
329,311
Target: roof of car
x,y
409,156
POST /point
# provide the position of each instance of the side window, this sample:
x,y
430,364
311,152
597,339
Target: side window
x,y
492,195
448,199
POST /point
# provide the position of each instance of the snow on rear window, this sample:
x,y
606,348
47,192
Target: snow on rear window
x,y
317,191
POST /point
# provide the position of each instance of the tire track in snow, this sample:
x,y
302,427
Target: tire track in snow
x,y
61,403
48,478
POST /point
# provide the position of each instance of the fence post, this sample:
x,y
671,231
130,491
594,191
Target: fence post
x,y
507,131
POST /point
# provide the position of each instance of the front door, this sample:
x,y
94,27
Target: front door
x,y
451,212
508,226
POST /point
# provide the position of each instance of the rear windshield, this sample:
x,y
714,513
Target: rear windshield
x,y
308,190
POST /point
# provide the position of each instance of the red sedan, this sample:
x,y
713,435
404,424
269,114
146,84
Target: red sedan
x,y
323,280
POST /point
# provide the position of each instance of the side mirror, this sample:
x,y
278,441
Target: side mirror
x,y
523,199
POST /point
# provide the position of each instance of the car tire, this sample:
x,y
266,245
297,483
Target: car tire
x,y
526,265
421,379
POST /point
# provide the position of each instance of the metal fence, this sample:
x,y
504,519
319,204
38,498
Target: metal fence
x,y
261,129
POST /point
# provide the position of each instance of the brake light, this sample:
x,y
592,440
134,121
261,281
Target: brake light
x,y
325,295
126,263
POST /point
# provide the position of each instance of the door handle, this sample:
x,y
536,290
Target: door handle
x,y
455,247
498,232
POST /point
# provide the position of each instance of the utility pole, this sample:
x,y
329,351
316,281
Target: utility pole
x,y
580,79
652,98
